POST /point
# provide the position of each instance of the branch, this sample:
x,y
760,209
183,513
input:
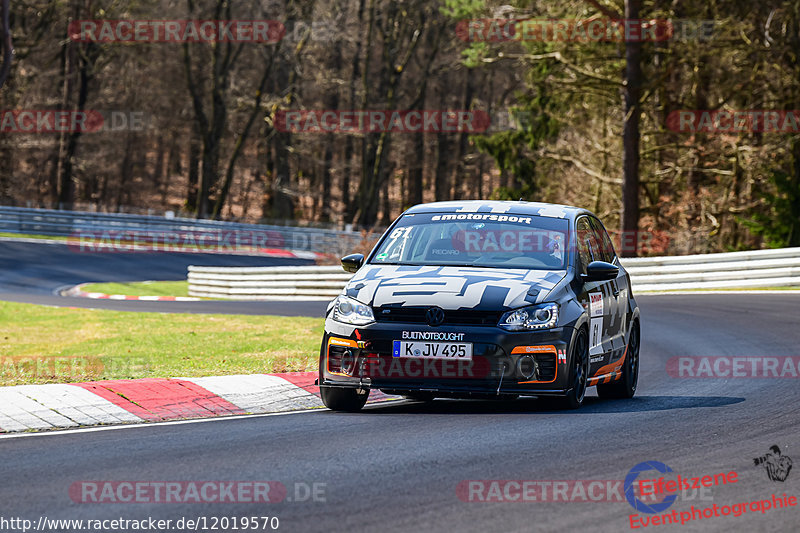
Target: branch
x,y
678,169
558,57
604,10
580,166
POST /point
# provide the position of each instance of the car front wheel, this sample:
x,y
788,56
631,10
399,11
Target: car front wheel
x,y
579,373
343,399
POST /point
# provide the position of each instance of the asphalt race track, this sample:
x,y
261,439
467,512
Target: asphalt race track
x,y
34,272
396,467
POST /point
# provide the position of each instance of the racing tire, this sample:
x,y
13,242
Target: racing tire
x,y
343,399
579,374
625,387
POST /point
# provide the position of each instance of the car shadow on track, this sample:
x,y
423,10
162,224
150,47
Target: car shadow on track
x,y
591,405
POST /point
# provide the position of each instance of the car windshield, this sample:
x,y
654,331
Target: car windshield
x,y
476,240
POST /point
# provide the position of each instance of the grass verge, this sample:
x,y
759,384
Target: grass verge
x,y
60,345
32,236
141,288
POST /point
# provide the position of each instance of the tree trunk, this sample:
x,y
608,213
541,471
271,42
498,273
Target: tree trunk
x,y
194,175
416,170
208,175
478,184
630,137
64,188
386,209
66,181
461,182
158,169
6,147
269,172
349,145
6,46
282,202
441,181
327,178
793,238
125,174
368,188
331,102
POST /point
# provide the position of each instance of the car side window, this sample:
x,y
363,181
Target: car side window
x,y
588,247
606,247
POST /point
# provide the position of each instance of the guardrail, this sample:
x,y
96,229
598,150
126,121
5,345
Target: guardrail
x,y
761,268
267,283
171,232
753,269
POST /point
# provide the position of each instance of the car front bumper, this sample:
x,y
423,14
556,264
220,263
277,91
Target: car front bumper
x,y
503,363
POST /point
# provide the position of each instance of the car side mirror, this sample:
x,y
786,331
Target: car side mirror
x,y
600,271
351,263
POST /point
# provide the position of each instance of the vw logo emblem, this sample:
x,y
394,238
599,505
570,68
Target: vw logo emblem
x,y
434,316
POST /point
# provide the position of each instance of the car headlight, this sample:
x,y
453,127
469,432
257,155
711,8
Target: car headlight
x,y
352,311
543,316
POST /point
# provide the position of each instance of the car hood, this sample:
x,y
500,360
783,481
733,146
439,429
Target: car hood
x,y
451,287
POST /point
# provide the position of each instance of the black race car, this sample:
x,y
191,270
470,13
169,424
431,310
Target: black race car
x,y
480,299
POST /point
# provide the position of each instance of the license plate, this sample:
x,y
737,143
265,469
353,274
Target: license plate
x,y
433,350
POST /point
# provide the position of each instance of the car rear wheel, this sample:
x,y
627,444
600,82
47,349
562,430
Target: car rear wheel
x,y
579,373
343,399
625,387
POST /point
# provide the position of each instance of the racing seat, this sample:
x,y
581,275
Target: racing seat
x,y
442,249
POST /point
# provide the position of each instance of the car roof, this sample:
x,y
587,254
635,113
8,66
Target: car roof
x,y
500,207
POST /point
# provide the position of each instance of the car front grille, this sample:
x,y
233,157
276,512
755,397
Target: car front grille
x,y
416,315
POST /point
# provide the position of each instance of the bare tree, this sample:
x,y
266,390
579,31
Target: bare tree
x,y
394,31
211,117
78,70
